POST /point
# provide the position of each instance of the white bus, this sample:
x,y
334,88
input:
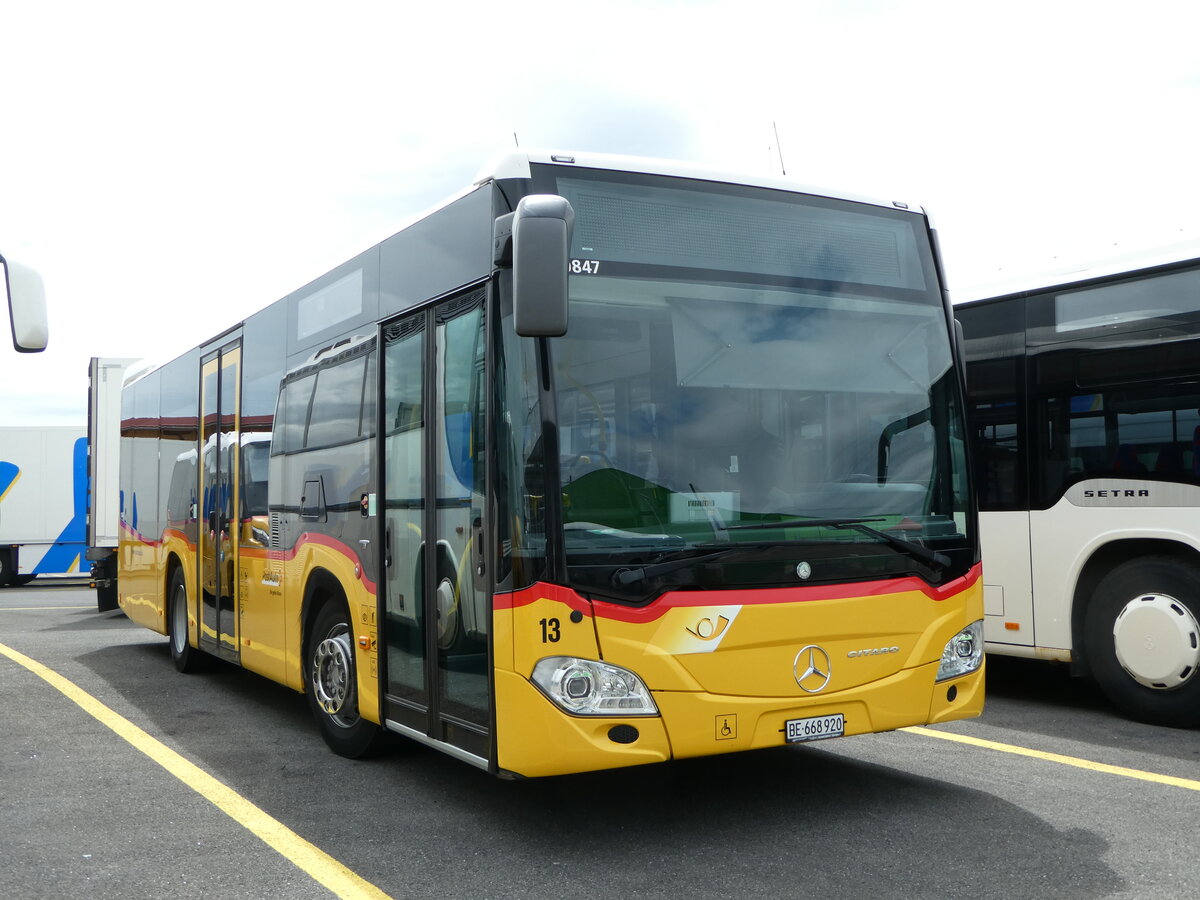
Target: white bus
x,y
1083,399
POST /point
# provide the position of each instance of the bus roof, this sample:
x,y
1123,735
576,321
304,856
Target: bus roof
x,y
1098,270
516,164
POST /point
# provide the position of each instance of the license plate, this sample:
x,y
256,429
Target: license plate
x,y
815,728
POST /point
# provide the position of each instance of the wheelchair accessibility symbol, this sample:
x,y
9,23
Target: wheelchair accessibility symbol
x,y
726,728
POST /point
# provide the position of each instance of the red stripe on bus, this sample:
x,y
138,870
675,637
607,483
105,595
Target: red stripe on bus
x,y
310,537
307,537
748,597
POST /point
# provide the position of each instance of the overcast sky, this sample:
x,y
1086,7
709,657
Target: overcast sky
x,y
171,168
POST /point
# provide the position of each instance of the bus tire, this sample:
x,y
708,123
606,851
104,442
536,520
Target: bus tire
x,y
186,657
1142,640
5,567
332,686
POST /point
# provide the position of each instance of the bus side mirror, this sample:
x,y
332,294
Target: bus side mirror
x,y
26,306
541,240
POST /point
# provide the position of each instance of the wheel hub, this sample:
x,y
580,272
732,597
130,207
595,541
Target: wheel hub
x,y
1157,641
179,622
332,670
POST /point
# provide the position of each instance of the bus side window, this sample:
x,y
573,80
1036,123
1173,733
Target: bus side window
x,y
292,419
333,420
181,495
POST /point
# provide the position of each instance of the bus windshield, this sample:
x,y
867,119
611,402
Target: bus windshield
x,y
756,388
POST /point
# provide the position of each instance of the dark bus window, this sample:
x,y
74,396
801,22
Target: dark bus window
x,y
995,340
1125,304
1147,433
337,404
293,415
181,497
366,427
254,471
264,331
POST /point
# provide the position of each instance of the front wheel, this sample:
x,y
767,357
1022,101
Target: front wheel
x,y
333,686
1142,638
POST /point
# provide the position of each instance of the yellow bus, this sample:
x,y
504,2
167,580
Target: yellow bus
x,y
604,462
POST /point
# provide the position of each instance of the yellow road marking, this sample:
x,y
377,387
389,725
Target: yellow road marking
x,y
318,864
1171,780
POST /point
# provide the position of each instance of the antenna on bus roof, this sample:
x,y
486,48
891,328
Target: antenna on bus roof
x,y
779,148
515,141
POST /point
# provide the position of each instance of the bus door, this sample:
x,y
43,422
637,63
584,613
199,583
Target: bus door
x,y
217,553
435,608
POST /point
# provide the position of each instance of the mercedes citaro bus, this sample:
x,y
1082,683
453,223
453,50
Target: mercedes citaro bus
x,y
603,462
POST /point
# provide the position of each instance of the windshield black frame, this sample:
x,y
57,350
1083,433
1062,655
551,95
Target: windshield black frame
x,y
592,559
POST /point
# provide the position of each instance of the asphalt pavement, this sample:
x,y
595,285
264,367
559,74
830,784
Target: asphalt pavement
x,y
1050,793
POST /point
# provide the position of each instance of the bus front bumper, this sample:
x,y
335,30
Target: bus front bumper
x,y
535,738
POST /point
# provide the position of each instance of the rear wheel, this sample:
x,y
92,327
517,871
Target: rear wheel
x,y
1142,633
5,567
332,683
186,657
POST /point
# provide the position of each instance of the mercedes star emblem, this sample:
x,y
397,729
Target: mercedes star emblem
x,y
812,669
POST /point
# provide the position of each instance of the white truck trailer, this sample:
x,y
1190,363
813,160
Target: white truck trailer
x,y
43,502
104,472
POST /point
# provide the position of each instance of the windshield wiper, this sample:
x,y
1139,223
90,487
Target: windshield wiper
x,y
917,551
625,577
796,523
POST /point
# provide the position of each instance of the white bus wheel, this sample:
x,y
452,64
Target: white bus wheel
x,y
1142,639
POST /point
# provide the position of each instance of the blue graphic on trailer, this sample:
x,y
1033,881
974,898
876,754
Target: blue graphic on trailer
x,y
8,476
64,555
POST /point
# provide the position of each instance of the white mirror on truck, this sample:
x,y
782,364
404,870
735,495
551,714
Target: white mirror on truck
x,y
26,306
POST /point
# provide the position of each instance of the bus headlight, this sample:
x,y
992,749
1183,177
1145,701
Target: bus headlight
x,y
584,687
963,653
